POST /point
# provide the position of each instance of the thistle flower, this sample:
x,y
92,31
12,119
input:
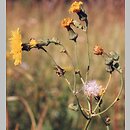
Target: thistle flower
x,y
75,7
66,22
92,88
16,48
32,42
97,50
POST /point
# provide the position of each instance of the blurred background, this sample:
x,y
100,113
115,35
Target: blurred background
x,y
35,79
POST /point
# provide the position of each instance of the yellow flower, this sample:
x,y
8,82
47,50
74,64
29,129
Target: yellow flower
x,y
66,22
75,7
32,42
16,48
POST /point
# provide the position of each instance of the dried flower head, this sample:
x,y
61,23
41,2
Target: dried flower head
x,y
92,88
32,42
66,22
75,7
98,50
16,48
59,71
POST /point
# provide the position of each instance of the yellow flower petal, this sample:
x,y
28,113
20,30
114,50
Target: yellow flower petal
x,y
75,7
66,22
32,42
15,45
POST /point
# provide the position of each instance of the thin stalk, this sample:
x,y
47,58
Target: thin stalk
x,y
76,61
81,78
73,65
25,103
116,99
49,55
103,93
76,55
87,124
69,85
71,60
90,103
88,53
107,127
81,109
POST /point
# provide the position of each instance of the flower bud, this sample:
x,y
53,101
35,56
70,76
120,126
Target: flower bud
x,y
98,50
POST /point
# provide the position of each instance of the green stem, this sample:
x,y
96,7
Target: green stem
x,y
107,127
69,85
81,109
88,66
87,124
71,60
76,62
116,99
103,94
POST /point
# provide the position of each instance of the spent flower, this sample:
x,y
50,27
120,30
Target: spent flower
x,y
16,46
92,88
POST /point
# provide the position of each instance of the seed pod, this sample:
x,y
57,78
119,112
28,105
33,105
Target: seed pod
x,y
114,55
108,61
109,69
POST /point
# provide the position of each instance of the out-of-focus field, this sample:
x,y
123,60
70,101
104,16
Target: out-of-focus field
x,y
36,81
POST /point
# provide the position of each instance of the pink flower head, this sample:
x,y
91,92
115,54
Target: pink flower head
x,y
92,88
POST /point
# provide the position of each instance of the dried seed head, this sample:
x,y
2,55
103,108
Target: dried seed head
x,y
97,50
59,71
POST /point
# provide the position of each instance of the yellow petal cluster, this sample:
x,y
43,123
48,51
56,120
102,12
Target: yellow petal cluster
x,y
16,48
66,22
75,7
32,42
